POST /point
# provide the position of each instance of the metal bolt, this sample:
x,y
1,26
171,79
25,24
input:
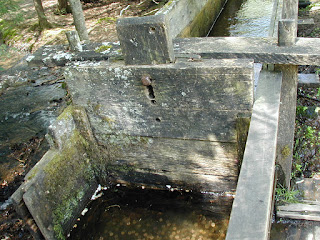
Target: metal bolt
x,y
146,80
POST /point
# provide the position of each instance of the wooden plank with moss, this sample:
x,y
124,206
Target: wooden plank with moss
x,y
61,184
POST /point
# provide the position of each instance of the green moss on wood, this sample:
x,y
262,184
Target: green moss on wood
x,y
103,48
285,151
66,114
75,161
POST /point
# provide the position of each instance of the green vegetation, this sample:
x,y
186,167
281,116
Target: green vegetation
x,y
103,48
307,135
106,20
8,26
283,195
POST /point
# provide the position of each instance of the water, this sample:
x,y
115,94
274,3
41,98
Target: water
x,y
244,18
128,214
295,229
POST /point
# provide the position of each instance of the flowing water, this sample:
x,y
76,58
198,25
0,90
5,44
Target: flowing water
x,y
244,18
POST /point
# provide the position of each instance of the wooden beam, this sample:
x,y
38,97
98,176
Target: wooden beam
x,y
303,211
286,38
251,210
145,40
263,50
308,80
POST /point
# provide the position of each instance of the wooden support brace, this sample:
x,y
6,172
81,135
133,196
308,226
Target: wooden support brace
x,y
287,35
250,217
287,32
145,40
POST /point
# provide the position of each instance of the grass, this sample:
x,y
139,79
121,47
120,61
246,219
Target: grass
x,y
283,195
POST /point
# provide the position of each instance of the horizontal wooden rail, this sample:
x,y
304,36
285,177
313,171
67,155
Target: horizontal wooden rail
x,y
253,204
263,50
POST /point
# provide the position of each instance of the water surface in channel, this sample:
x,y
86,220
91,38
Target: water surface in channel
x,y
244,18
127,214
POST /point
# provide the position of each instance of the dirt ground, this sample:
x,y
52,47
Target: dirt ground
x,y
100,17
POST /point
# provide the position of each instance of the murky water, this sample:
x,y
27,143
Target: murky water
x,y
295,230
153,214
245,18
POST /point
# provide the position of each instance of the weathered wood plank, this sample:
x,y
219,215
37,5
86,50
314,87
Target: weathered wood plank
x,y
288,93
287,122
251,210
188,164
177,104
308,80
263,50
290,9
145,40
189,18
301,211
155,121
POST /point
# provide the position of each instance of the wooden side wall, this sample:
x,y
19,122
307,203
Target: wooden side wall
x,y
179,130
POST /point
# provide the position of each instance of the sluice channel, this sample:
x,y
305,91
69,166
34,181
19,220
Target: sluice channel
x,y
125,213
166,172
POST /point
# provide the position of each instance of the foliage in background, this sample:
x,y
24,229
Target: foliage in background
x,y
7,6
9,18
306,159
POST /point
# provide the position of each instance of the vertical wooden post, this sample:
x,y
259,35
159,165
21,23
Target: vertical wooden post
x,y
287,33
145,40
74,41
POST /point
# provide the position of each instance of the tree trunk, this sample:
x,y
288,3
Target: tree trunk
x,y
63,6
79,20
1,38
43,22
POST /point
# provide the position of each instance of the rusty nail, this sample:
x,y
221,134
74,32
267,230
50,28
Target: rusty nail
x,y
146,80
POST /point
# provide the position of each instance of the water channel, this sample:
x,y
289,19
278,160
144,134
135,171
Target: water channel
x,y
146,214
121,213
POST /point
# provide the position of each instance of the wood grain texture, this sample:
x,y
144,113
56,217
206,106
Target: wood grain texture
x,y
301,211
197,165
179,130
190,100
263,50
145,40
252,208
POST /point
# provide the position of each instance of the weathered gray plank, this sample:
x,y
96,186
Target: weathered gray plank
x,y
287,121
145,40
251,210
290,9
213,84
156,121
184,96
189,18
308,80
264,50
304,22
288,93
188,164
301,211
